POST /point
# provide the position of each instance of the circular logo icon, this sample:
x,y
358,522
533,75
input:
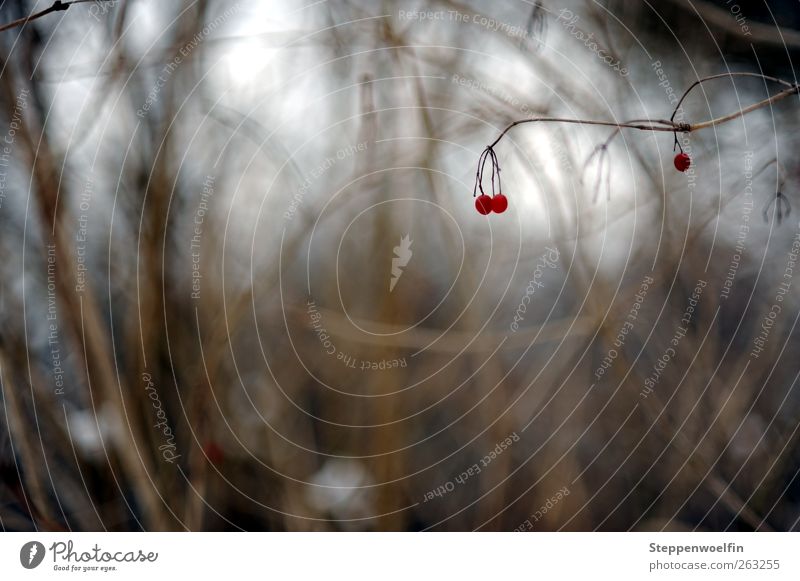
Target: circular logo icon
x,y
31,554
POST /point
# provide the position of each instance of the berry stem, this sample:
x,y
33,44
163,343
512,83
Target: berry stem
x,y
57,6
665,125
669,124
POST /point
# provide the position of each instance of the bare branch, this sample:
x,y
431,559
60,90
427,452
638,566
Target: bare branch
x,y
719,120
57,6
664,125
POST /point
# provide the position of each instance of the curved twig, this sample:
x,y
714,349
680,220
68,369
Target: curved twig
x,y
664,125
645,125
726,75
57,6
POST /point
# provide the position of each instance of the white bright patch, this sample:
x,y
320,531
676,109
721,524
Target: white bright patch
x,y
245,60
339,497
89,432
256,36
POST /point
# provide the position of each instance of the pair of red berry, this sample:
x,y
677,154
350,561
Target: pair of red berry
x,y
682,162
498,202
488,204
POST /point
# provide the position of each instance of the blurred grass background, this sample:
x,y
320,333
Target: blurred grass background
x,y
198,218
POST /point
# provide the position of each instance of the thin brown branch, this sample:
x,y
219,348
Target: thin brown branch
x,y
754,33
742,112
726,75
664,125
654,125
670,125
57,6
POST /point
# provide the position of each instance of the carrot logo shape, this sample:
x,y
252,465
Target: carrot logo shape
x,y
402,254
31,555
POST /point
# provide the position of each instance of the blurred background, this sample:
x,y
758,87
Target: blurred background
x,y
244,284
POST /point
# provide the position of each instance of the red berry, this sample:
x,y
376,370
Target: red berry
x,y
214,452
499,203
682,162
483,204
